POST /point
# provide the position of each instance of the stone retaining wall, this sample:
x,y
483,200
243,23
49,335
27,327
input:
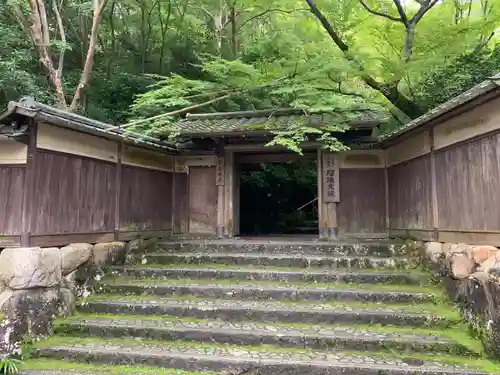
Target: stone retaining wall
x,y
471,276
39,284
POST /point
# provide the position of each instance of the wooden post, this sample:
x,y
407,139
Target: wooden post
x,y
387,194
319,173
118,184
173,194
220,194
434,199
329,194
228,193
29,196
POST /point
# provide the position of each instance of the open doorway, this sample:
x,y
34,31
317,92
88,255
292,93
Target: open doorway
x,y
278,198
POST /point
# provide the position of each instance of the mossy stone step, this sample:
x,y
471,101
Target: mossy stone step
x,y
234,333
285,274
364,248
268,360
43,366
264,291
269,311
282,260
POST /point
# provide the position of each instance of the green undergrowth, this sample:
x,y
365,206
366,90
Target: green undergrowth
x,y
441,309
473,363
82,368
299,284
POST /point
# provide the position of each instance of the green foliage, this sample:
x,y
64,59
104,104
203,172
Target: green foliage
x,y
9,366
155,57
457,76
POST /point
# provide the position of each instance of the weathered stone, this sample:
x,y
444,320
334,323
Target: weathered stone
x,y
481,253
134,250
434,251
33,267
67,301
447,249
461,266
31,312
4,297
460,248
492,262
74,255
109,253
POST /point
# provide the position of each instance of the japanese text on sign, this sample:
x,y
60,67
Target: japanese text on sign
x,y
330,179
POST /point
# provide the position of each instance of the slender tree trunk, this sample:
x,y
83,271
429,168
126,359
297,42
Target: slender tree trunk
x,y
98,10
234,32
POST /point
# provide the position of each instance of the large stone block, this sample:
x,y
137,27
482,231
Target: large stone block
x,y
492,262
434,251
134,250
461,266
74,255
481,253
30,312
33,267
109,253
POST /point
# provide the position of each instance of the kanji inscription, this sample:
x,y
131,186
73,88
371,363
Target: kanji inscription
x,y
331,192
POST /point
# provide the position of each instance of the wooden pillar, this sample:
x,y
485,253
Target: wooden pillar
x,y
220,169
328,194
118,184
174,182
228,193
387,194
434,199
29,196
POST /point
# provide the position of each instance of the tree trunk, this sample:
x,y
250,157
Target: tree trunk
x,y
98,10
234,32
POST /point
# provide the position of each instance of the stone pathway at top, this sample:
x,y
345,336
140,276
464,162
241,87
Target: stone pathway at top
x,y
258,307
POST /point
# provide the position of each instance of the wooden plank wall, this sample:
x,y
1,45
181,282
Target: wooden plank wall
x,y
13,157
85,189
202,200
361,211
74,195
444,181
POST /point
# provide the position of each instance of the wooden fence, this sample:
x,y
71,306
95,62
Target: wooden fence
x,y
444,177
67,186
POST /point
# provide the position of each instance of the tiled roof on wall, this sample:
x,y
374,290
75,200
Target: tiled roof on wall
x,y
263,121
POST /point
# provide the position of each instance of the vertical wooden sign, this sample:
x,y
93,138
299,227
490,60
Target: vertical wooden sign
x,y
219,180
331,193
220,171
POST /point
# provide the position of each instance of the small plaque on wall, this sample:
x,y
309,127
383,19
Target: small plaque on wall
x,y
331,193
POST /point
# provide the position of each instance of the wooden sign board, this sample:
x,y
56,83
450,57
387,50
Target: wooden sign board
x,y
331,187
220,171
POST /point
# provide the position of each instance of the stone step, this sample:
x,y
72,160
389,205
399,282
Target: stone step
x,y
280,260
47,366
265,291
358,248
244,360
212,272
255,334
269,311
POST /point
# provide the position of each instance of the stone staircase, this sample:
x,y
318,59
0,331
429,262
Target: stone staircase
x,y
259,307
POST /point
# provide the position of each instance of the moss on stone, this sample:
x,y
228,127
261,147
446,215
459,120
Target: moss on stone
x,y
299,284
458,334
441,309
471,362
82,368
